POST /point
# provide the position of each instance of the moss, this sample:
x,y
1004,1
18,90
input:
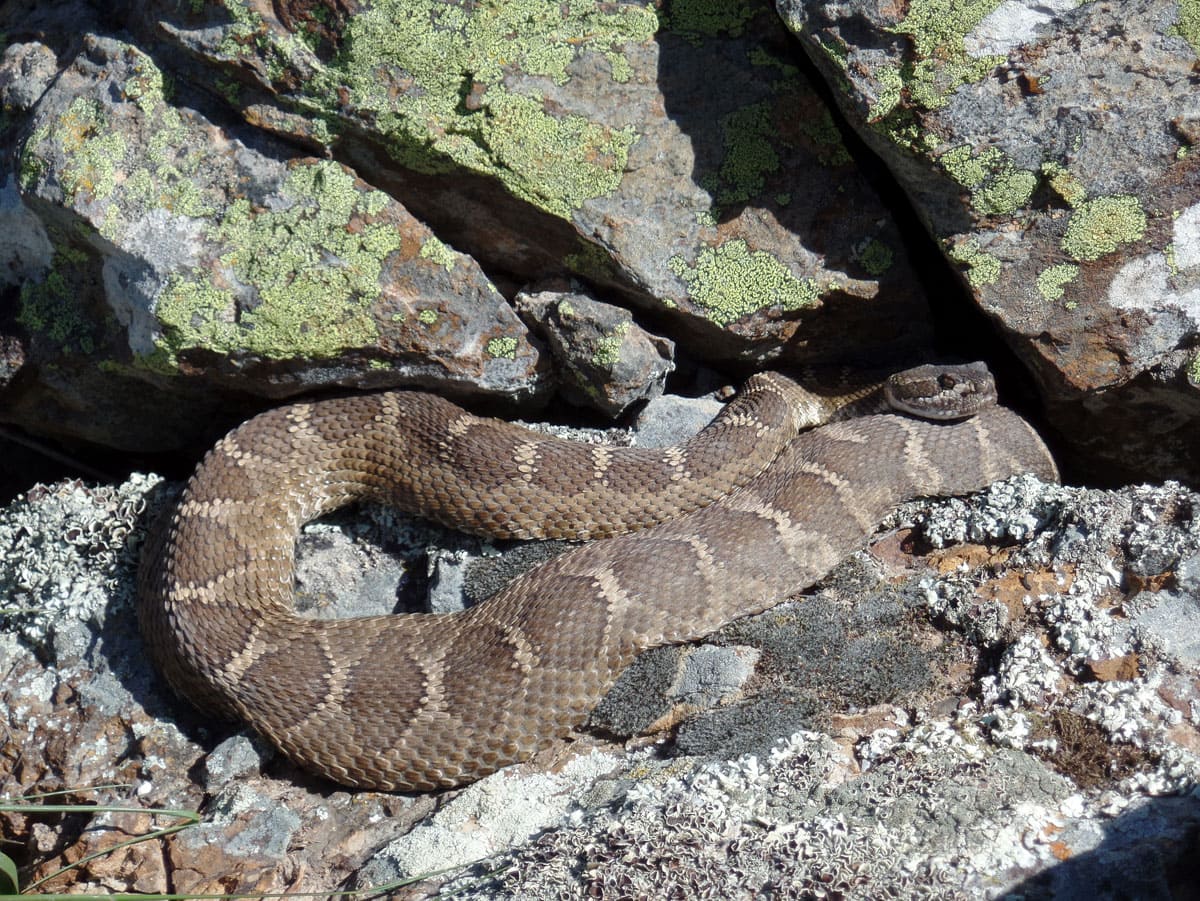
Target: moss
x,y
1051,281
983,268
1101,225
409,64
1188,26
730,282
434,250
699,19
590,261
53,307
313,278
997,186
503,347
875,257
1064,183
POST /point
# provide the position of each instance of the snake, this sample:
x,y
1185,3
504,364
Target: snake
x,y
749,511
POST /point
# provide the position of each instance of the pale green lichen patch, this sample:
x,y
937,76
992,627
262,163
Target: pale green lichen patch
x,y
941,63
1103,224
1064,183
410,63
94,151
982,268
731,281
608,348
1193,370
314,278
427,317
997,186
435,251
749,154
503,347
1052,280
1188,26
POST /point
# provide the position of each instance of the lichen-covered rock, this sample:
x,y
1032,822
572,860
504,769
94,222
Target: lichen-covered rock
x,y
675,158
1051,149
159,251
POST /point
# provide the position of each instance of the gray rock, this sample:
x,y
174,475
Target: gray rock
x,y
227,261
237,758
609,363
672,419
1050,149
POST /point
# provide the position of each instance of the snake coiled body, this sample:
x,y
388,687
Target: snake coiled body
x,y
422,701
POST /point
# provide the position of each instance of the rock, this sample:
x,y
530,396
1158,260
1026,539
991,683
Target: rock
x,y
157,260
608,362
1050,148
927,743
672,419
678,160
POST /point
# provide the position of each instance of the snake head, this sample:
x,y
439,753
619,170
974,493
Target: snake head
x,y
941,391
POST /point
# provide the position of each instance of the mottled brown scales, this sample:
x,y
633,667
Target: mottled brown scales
x,y
421,702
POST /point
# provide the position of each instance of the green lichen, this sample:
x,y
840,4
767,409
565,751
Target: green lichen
x,y
941,63
997,186
313,278
875,257
565,309
730,282
749,153
94,151
1064,183
428,317
1101,225
435,251
608,348
590,261
1052,281
1188,26
409,64
831,151
700,19
889,87
1193,370
53,306
982,268
503,347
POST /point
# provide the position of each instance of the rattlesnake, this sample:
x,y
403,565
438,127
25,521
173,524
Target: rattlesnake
x,y
422,701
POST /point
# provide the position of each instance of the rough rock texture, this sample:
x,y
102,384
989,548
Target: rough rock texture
x,y
608,362
1000,694
1051,148
142,242
209,205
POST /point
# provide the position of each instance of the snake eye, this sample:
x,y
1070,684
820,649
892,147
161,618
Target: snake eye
x,y
947,381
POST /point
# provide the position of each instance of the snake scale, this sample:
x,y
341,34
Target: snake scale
x,y
420,701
